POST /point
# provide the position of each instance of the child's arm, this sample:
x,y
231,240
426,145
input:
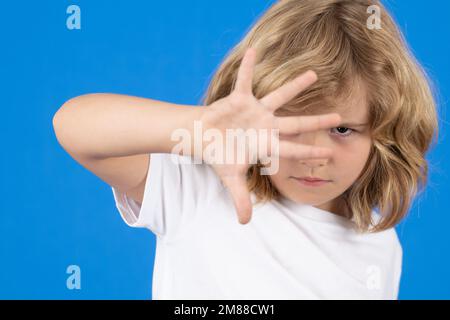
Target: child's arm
x,y
112,135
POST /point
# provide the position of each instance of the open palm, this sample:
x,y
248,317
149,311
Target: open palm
x,y
242,110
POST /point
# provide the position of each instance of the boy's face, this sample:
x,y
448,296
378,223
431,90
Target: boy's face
x,y
351,149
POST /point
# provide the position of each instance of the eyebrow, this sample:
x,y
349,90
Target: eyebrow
x,y
353,124
331,106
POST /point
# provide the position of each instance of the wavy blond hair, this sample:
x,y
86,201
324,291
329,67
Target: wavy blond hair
x,y
332,38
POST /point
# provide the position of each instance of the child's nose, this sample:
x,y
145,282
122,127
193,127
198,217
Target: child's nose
x,y
313,163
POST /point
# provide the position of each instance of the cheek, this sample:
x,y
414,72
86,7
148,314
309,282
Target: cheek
x,y
351,160
279,178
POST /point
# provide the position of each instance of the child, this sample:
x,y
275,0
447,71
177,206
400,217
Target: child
x,y
362,123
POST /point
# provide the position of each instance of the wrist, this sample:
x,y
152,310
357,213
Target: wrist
x,y
187,132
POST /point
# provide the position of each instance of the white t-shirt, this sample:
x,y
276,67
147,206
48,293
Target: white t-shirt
x,y
287,251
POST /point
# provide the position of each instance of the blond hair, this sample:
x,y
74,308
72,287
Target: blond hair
x,y
331,37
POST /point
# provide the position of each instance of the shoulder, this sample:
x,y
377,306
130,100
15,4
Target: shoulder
x,y
389,237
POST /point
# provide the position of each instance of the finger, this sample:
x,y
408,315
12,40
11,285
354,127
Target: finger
x,y
288,91
292,150
245,72
241,197
299,124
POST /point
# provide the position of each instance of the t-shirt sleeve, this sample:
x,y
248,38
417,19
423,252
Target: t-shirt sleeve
x,y
175,190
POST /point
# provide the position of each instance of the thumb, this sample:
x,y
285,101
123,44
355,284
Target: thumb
x,y
241,197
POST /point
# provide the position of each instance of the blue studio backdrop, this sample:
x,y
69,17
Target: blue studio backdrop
x,y
56,216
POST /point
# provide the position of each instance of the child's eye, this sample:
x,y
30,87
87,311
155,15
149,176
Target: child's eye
x,y
344,132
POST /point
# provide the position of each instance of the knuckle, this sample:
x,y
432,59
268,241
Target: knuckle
x,y
277,96
235,98
299,124
319,121
238,99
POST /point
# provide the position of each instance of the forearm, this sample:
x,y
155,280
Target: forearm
x,y
113,125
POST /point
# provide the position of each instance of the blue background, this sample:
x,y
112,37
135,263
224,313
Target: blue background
x,y
54,213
